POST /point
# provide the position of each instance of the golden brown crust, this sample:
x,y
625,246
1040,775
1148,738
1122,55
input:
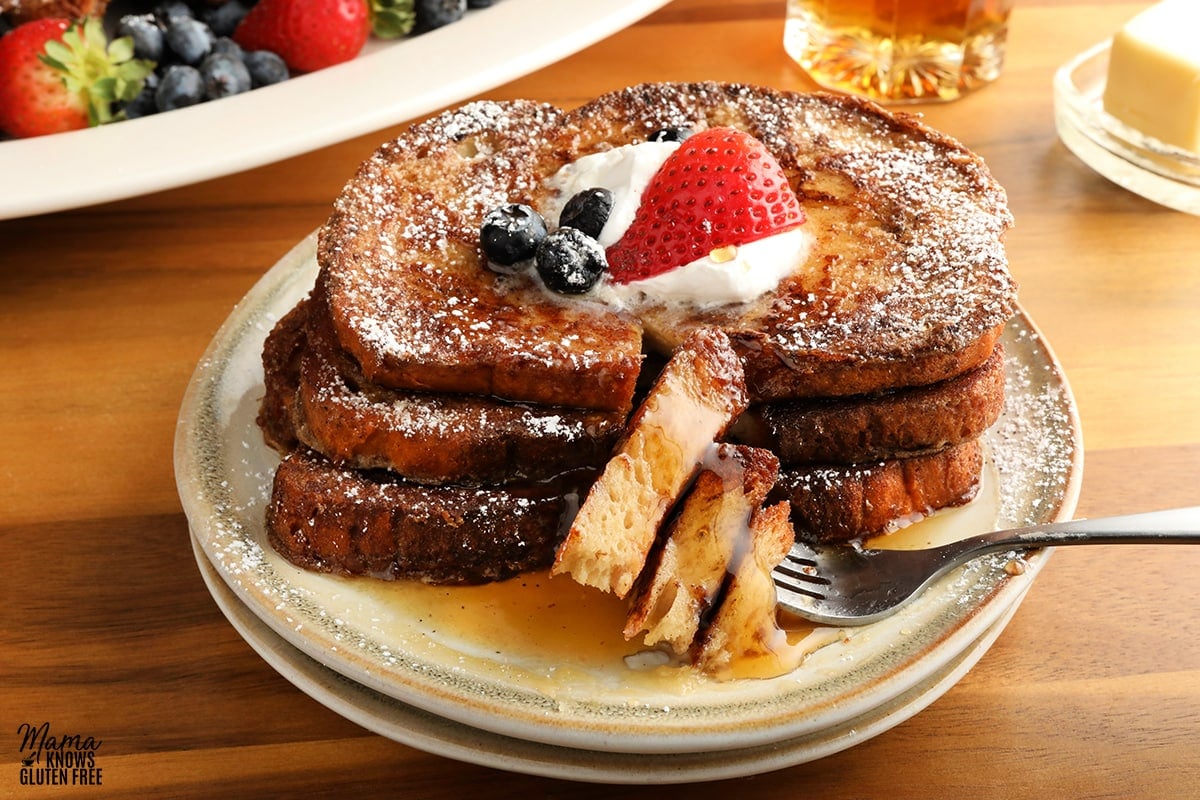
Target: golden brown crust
x,y
281,368
895,424
846,502
438,438
354,522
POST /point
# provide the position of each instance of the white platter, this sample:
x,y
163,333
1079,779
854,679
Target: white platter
x,y
373,636
387,84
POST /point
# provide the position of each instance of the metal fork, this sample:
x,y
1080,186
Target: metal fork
x,y
847,585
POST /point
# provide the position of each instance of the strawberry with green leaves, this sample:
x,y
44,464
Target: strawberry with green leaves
x,y
721,188
56,76
307,34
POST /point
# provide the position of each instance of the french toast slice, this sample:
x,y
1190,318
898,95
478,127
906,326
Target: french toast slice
x,y
316,397
895,424
700,546
358,522
691,405
907,281
410,295
840,503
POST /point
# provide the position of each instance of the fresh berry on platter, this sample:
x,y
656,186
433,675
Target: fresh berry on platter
x,y
720,188
432,14
308,34
56,75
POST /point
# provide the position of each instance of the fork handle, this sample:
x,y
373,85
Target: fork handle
x,y
1175,526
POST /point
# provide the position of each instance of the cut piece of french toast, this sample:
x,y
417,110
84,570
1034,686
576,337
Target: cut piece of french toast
x,y
317,396
889,425
701,545
360,522
691,405
743,633
843,502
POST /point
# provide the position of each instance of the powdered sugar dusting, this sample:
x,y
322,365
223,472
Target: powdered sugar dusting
x,y
406,277
1035,443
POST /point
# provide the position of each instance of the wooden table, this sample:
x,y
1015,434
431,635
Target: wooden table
x,y
108,632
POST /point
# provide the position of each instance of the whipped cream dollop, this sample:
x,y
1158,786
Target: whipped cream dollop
x,y
732,274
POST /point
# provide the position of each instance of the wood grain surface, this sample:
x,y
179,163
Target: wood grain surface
x,y
1093,691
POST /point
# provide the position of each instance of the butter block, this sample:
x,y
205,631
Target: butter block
x,y
1154,73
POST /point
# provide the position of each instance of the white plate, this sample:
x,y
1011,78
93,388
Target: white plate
x,y
387,84
434,734
1167,175
377,635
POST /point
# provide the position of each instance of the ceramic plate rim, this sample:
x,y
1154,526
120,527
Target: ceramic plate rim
x,y
426,731
691,728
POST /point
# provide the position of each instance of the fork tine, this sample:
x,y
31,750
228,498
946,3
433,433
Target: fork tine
x,y
803,571
802,551
795,595
797,581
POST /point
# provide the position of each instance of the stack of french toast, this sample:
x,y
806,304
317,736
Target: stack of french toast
x,y
445,422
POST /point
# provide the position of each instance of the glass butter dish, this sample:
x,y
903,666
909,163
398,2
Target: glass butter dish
x,y
1157,171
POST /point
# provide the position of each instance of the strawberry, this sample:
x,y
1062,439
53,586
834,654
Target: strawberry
x,y
58,76
721,187
307,34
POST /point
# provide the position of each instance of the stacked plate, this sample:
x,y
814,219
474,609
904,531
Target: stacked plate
x,y
464,673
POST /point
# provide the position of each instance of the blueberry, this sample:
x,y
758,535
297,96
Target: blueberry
x,y
228,47
669,135
171,10
265,68
223,75
181,86
143,105
189,39
223,19
436,13
587,211
570,261
511,234
147,36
